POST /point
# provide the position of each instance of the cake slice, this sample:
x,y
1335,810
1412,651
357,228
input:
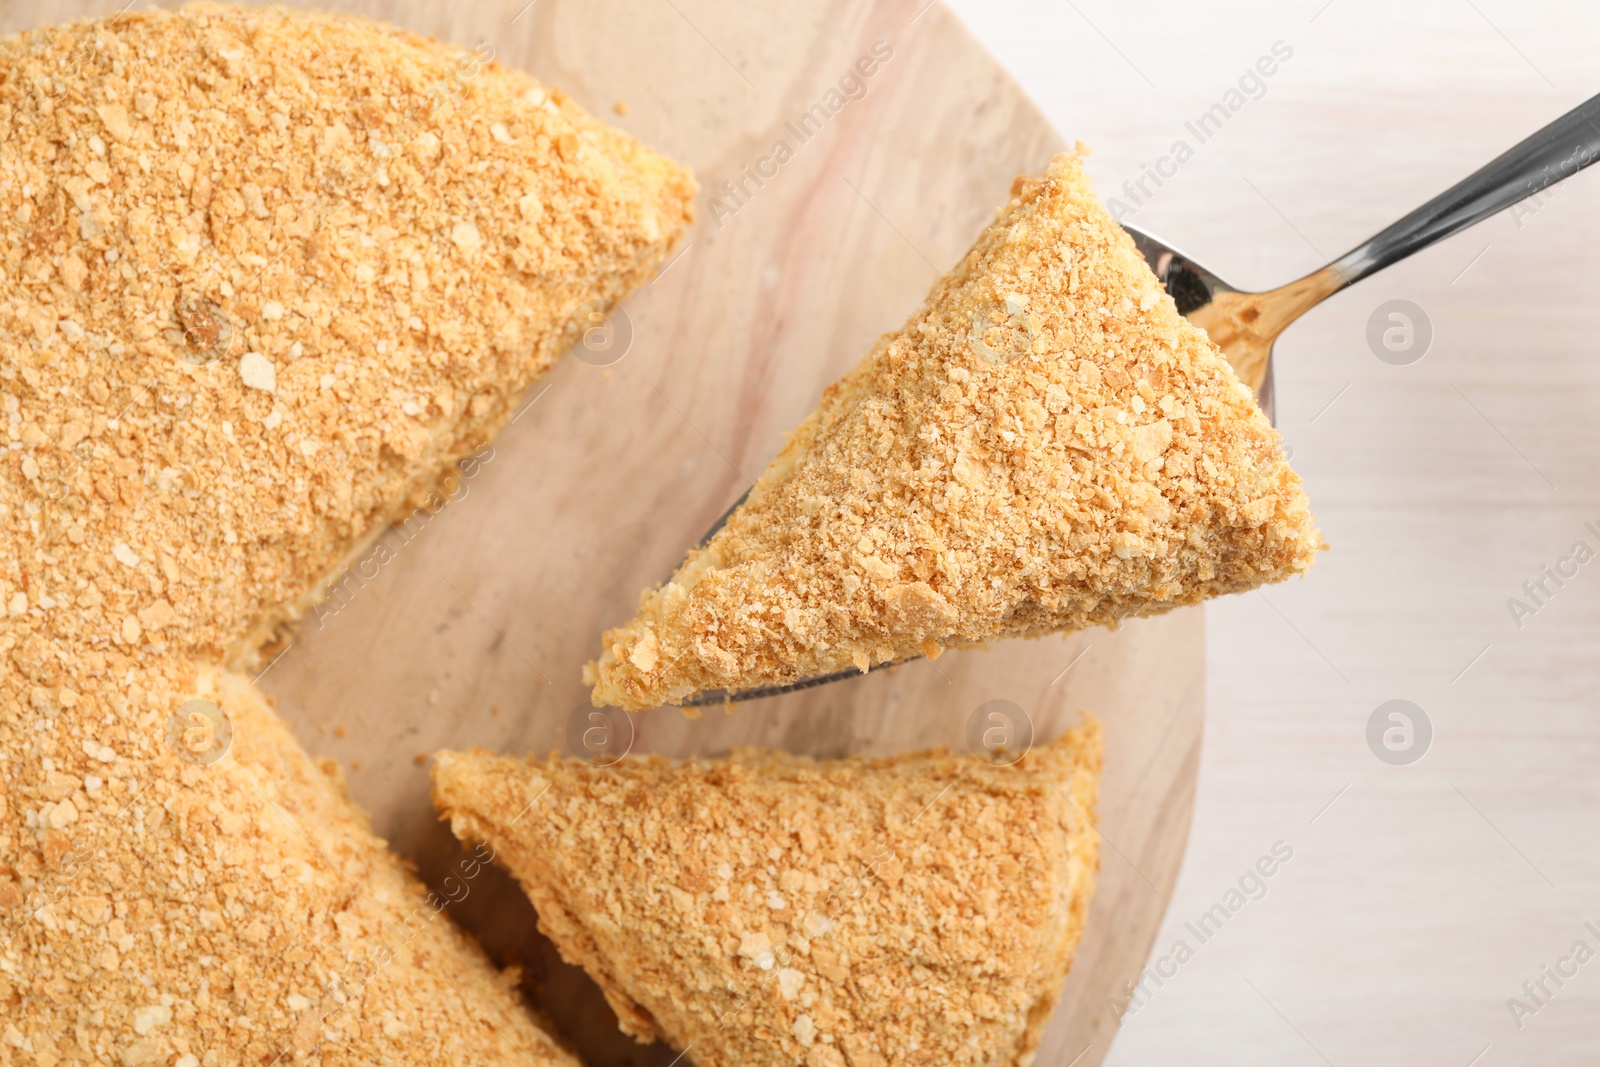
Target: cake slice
x,y
1045,445
768,909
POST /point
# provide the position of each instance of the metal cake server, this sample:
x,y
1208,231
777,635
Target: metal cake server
x,y
1246,324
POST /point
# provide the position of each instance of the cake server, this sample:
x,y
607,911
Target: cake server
x,y
1246,324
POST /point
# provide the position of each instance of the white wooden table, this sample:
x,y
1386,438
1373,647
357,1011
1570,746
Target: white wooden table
x,y
1421,899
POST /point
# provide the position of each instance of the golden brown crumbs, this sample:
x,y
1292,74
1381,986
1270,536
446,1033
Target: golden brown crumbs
x,y
1045,445
264,277
767,910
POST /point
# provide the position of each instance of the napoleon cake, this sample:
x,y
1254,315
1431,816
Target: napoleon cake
x,y
766,910
266,276
1045,445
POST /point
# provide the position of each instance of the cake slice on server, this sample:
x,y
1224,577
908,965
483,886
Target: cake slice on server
x,y
768,909
1045,445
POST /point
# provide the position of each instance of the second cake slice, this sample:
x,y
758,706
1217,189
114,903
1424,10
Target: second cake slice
x,y
767,910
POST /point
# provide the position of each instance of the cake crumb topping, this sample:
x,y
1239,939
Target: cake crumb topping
x,y
236,338
766,910
1044,446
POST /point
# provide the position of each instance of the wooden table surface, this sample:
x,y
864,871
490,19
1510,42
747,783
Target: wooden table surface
x,y
470,626
1420,900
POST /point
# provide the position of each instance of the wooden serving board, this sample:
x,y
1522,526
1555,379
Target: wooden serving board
x,y
474,627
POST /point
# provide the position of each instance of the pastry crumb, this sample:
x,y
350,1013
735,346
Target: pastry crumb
x,y
1045,445
761,907
219,222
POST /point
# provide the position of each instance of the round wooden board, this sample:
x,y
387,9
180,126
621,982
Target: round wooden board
x,y
474,630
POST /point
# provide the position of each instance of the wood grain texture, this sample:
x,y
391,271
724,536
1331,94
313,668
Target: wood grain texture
x,y
474,630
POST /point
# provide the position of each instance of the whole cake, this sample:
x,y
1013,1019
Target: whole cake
x,y
265,277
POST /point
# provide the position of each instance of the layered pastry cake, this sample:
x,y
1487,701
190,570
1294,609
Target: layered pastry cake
x,y
1045,445
266,276
766,910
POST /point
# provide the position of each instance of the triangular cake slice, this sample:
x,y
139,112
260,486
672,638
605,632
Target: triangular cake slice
x,y
1045,445
767,909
